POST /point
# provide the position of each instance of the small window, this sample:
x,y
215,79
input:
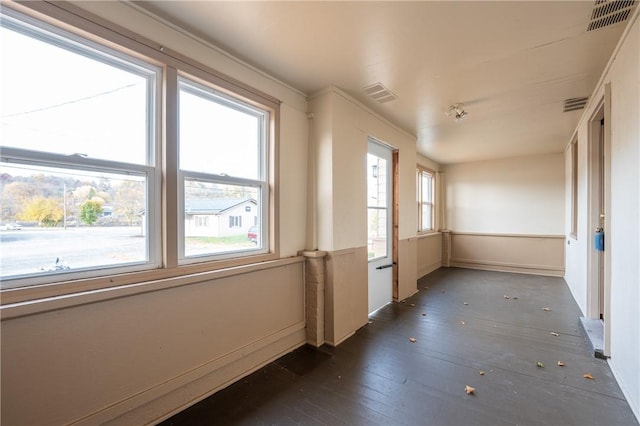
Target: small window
x,y
235,221
425,198
574,189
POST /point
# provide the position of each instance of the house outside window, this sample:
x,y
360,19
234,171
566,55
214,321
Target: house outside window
x,y
235,133
235,221
425,197
80,158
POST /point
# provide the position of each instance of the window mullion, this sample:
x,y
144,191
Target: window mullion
x,y
172,199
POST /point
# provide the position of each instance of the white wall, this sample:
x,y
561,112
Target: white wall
x,y
623,217
523,195
134,353
340,131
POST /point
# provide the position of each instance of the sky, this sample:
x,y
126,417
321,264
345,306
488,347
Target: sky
x,y
54,100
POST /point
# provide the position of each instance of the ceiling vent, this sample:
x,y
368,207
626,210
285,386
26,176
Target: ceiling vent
x,y
609,12
574,104
379,93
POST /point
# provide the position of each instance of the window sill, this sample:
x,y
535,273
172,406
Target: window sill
x,y
426,234
110,286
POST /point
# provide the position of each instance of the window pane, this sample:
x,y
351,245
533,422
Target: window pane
x,y
218,136
218,218
68,98
426,187
59,220
426,217
376,181
377,233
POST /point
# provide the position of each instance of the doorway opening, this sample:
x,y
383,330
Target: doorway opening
x,y
598,274
382,251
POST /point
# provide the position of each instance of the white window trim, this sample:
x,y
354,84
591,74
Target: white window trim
x,y
81,163
96,29
421,229
263,189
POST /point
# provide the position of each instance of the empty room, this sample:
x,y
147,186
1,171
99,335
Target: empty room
x,y
440,226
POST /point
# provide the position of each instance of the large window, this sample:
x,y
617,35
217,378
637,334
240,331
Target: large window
x,y
78,155
223,170
425,196
85,165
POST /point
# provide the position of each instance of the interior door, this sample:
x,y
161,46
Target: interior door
x,y
379,224
602,215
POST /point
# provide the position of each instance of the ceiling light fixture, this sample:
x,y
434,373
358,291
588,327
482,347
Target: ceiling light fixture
x,y
457,111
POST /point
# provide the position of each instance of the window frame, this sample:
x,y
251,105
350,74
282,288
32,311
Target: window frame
x,y
213,94
420,172
163,169
574,189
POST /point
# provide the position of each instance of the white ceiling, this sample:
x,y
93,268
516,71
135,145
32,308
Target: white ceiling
x,y
511,63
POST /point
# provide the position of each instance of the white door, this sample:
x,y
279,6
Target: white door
x,y
379,237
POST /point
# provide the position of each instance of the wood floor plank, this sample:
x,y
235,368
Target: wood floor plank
x,y
379,377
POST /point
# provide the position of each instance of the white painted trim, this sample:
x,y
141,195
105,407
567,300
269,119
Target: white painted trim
x,y
149,406
469,250
478,234
429,269
152,284
507,267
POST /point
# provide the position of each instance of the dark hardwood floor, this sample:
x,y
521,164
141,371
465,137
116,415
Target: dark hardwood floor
x,y
464,322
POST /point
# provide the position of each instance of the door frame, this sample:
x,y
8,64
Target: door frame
x,y
393,210
395,153
599,195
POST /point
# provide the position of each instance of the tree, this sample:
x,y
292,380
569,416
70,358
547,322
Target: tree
x,y
89,211
129,200
46,211
15,196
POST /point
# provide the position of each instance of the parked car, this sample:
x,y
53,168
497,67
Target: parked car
x,y
253,233
11,227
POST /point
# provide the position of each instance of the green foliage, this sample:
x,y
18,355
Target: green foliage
x,y
89,211
45,211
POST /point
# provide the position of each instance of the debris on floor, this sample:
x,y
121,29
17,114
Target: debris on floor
x,y
553,333
506,296
546,309
560,364
481,373
539,364
412,339
469,390
588,376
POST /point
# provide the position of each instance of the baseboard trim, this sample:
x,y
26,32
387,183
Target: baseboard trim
x,y
429,269
545,270
176,394
340,340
